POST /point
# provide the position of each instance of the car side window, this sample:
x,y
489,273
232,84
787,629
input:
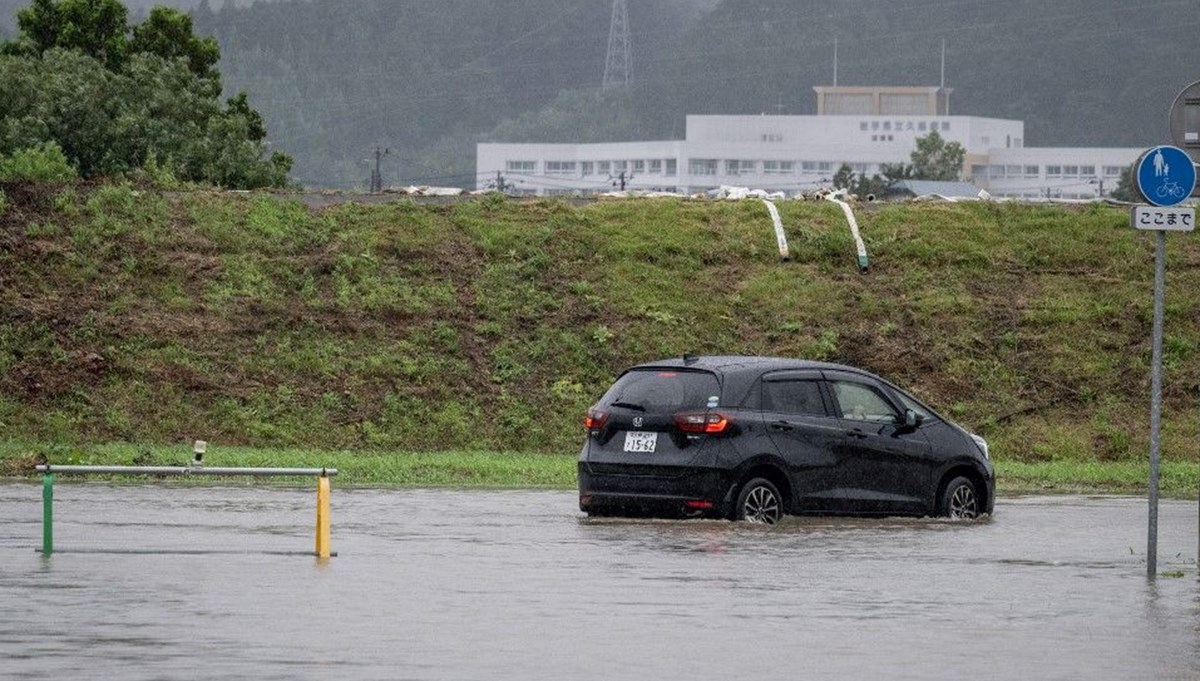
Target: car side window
x,y
859,402
793,397
909,403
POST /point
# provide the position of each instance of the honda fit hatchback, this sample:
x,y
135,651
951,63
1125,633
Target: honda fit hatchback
x,y
755,438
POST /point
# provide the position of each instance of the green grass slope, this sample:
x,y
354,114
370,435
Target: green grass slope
x,y
491,324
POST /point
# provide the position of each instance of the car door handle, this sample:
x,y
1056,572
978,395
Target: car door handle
x,y
857,434
782,425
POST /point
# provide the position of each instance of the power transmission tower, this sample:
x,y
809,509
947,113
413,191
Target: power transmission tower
x,y
618,65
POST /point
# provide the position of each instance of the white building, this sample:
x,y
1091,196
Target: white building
x,y
864,127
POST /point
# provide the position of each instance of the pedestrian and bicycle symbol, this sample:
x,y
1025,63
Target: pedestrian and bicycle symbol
x,y
1166,176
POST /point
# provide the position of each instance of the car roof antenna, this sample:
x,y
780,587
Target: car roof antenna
x,y
689,358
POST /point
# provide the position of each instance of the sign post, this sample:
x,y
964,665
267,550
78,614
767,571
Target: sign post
x,y
1165,176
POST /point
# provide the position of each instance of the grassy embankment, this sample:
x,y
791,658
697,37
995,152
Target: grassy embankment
x,y
348,335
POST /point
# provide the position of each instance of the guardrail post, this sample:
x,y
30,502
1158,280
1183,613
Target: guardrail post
x,y
323,516
47,514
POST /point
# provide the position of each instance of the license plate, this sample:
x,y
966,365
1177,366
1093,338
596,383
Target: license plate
x,y
640,442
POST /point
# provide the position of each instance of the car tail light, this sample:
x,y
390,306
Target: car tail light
x,y
595,419
699,504
710,422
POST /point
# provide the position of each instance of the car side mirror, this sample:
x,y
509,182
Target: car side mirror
x,y
912,419
909,422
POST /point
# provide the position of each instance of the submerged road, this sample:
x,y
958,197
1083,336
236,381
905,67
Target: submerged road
x,y
158,582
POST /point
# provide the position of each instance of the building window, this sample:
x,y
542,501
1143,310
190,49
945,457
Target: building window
x,y
779,167
772,137
887,125
996,171
1070,171
921,126
656,166
639,167
860,168
979,172
671,169
620,166
587,168
560,167
1031,171
702,166
521,167
945,125
825,166
1054,171
863,126
874,125
1112,171
603,167
1087,171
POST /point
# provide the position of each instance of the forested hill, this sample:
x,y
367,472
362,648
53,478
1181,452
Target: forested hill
x,y
428,80
423,79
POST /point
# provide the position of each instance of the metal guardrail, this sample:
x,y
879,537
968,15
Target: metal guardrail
x,y
197,469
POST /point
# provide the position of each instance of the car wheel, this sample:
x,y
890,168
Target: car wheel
x,y
960,501
759,502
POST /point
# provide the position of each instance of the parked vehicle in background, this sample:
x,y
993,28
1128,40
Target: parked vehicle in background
x,y
756,438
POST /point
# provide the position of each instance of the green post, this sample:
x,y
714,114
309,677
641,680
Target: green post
x,y
47,514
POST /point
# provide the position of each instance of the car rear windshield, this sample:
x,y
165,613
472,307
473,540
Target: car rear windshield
x,y
660,391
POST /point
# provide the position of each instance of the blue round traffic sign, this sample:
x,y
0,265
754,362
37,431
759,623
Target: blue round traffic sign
x,y
1166,176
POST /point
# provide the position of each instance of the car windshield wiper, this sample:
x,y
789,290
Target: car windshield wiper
x,y
628,405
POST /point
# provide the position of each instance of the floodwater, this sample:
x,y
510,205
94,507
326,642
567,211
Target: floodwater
x,y
161,582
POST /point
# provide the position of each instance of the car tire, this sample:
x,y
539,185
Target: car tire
x,y
759,501
960,500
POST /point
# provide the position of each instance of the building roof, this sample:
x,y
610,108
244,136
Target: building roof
x,y
949,190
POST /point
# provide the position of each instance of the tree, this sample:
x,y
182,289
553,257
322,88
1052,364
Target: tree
x,y
115,105
94,27
1125,189
894,172
936,159
844,177
873,186
168,33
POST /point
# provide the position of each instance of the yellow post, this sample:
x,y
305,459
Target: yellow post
x,y
323,517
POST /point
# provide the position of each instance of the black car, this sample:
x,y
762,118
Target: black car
x,y
754,438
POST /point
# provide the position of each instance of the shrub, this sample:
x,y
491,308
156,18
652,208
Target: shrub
x,y
42,163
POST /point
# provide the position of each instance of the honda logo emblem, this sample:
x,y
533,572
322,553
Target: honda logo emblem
x,y
637,422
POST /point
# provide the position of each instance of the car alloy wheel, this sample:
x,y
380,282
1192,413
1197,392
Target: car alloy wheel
x,y
961,501
759,502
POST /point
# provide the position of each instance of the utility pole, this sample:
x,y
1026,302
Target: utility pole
x,y
376,176
621,179
618,64
500,184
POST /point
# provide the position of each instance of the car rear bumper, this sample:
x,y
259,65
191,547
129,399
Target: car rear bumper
x,y
688,491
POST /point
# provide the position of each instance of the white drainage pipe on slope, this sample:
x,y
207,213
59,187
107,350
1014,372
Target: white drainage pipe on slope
x,y
780,238
863,263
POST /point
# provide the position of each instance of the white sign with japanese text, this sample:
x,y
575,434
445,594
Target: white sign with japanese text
x,y
1156,218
